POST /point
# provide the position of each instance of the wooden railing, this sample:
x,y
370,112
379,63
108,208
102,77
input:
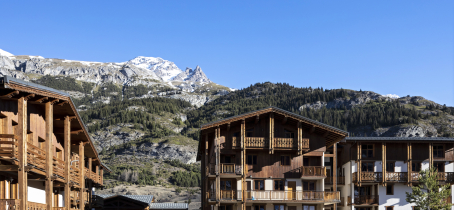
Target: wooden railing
x,y
396,177
285,143
256,142
332,197
292,195
10,204
228,194
8,146
74,175
59,168
36,156
235,142
36,206
340,180
365,199
305,144
228,168
441,176
313,171
368,177
59,208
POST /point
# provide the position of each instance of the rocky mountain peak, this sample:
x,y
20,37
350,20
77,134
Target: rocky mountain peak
x,y
4,53
195,75
165,69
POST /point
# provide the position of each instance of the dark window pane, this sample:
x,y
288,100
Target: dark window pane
x,y
370,146
370,153
364,147
255,159
222,185
249,159
228,185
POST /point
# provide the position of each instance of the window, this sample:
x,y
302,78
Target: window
x,y
279,207
390,167
289,134
252,159
259,207
416,167
389,189
367,151
308,207
438,151
440,166
227,159
250,132
389,207
367,167
279,185
309,186
285,160
259,185
226,185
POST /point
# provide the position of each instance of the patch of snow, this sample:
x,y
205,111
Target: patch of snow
x,y
165,69
391,96
4,53
34,56
233,89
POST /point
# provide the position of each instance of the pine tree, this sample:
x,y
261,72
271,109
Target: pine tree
x,y
429,194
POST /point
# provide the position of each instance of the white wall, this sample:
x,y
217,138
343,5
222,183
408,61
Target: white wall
x,y
449,167
397,200
400,166
269,184
36,192
377,166
424,165
61,199
299,185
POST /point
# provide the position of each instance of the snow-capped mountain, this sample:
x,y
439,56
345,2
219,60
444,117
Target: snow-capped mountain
x,y
391,96
4,53
196,75
165,69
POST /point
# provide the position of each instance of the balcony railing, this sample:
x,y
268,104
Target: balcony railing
x,y
285,143
9,204
229,194
58,208
75,175
364,199
228,168
38,206
59,168
319,171
340,180
8,146
396,177
368,177
36,156
256,142
293,195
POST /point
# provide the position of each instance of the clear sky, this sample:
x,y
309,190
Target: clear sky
x,y
397,47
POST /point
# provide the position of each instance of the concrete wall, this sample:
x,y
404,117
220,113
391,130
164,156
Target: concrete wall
x,y
36,192
397,199
400,166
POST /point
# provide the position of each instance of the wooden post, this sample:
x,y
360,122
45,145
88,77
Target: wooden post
x,y
358,163
271,138
243,164
82,175
22,140
67,148
409,163
431,157
218,164
383,164
298,137
49,153
335,171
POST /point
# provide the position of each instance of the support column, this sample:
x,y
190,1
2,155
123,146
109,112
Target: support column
x,y
82,175
300,138
358,162
22,140
49,153
335,171
218,165
67,149
271,137
409,163
243,164
431,155
90,183
383,164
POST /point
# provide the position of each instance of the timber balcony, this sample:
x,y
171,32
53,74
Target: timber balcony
x,y
278,143
313,172
277,196
340,180
363,200
224,169
10,204
400,177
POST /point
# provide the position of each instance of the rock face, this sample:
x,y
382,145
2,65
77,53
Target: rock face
x,y
196,75
317,105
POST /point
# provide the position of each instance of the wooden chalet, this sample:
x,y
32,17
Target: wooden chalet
x,y
269,159
47,159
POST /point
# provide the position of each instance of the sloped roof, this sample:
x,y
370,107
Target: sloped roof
x,y
141,198
398,139
272,109
169,206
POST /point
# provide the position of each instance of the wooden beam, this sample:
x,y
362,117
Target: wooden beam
x,y
335,171
228,127
29,96
67,148
325,134
383,162
82,174
271,133
49,188
41,99
62,103
22,140
13,136
11,94
54,101
9,167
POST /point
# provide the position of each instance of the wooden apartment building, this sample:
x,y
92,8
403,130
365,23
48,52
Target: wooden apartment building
x,y
47,159
269,159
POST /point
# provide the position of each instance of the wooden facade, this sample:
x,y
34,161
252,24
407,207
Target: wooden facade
x,y
269,156
47,159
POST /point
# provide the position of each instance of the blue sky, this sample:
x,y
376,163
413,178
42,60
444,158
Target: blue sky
x,y
398,47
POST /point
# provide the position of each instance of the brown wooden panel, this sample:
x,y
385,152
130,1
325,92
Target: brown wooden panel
x,y
396,151
420,151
